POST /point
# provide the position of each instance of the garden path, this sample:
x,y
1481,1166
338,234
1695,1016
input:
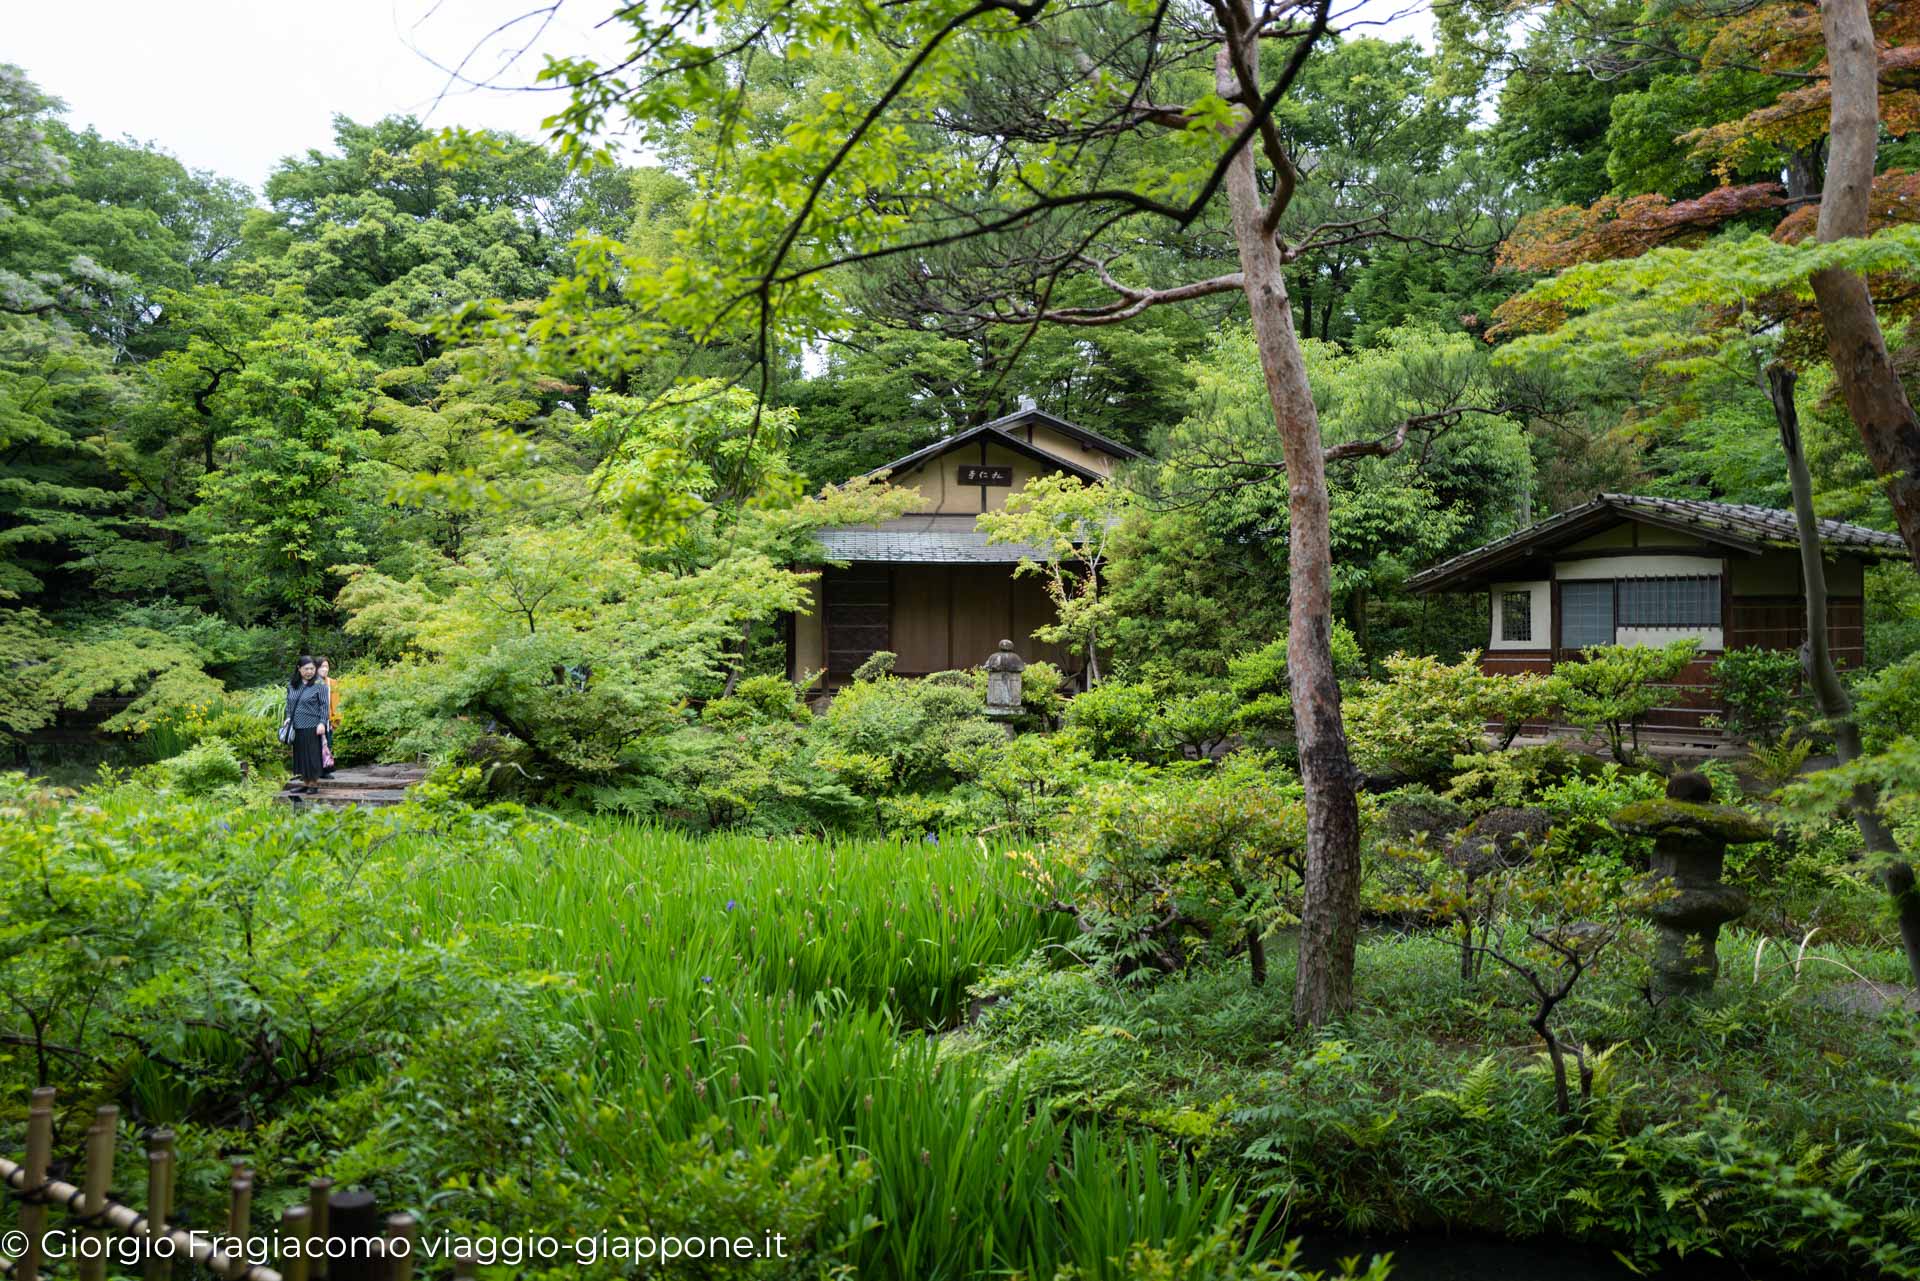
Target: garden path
x,y
366,785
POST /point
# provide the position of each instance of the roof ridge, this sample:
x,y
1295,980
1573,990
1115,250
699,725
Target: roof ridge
x,y
1745,525
1112,446
938,447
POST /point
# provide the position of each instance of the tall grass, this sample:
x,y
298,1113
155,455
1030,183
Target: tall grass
x,y
786,988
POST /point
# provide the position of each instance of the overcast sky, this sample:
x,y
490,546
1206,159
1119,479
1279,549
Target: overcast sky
x,y
234,85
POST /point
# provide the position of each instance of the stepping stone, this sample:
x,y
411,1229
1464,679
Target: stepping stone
x,y
365,786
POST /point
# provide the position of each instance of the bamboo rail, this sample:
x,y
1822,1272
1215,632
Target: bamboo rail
x,y
303,1228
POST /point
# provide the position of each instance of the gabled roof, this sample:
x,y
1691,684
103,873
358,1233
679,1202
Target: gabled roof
x,y
986,432
1000,432
922,540
1741,526
1074,431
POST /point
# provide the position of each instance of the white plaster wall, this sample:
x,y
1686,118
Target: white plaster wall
x,y
1709,637
1542,599
1636,567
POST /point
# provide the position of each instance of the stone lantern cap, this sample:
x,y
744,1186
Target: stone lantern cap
x,y
1691,819
1004,659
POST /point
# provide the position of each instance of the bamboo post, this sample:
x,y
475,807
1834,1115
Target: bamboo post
x,y
240,1212
317,1227
401,1230
33,1213
101,1137
353,1219
295,1233
240,1201
159,1198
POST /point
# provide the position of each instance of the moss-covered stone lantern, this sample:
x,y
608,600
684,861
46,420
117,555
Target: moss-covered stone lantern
x,y
1690,838
1004,668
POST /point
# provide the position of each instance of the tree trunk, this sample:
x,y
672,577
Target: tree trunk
x,y
1803,170
1330,916
1357,620
1823,679
1871,385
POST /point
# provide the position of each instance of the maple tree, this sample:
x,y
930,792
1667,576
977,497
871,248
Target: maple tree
x,y
1849,72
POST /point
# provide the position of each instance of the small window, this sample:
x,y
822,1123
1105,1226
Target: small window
x,y
1516,616
1586,613
1670,602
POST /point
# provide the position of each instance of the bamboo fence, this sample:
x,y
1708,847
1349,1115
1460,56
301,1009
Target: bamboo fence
x,y
329,1217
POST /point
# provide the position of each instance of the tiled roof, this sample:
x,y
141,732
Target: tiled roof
x,y
1740,525
921,540
1762,524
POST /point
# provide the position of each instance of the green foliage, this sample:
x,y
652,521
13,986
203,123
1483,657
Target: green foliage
x,y
1421,716
1613,686
1430,1106
1517,777
299,488
1777,761
1550,928
1185,863
1760,687
158,674
1886,705
1029,780
567,639
1891,776
1200,723
206,767
1116,720
1583,806
757,698
886,733
1070,522
1207,580
168,950
1259,680
762,775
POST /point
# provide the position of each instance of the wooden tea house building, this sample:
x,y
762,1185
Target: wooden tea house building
x,y
928,586
1634,570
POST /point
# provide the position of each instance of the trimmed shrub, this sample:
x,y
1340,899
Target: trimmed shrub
x,y
204,768
1422,716
1760,688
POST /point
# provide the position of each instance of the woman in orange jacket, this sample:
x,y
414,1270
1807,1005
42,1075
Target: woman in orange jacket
x,y
333,712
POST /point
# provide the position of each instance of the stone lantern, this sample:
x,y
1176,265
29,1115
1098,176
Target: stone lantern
x,y
1690,838
1003,683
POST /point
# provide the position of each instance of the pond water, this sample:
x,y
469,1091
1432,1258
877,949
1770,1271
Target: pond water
x,y
1436,1258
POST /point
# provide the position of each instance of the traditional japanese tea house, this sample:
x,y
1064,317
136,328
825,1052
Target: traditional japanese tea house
x,y
929,586
1634,570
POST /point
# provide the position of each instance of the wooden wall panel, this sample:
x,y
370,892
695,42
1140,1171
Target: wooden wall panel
x,y
1032,608
921,599
982,611
1780,622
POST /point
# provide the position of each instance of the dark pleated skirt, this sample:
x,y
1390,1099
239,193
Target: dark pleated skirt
x,y
306,753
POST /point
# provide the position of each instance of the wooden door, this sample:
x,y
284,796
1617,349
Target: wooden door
x,y
858,602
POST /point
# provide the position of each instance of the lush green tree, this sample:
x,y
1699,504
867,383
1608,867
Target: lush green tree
x,y
1069,521
1389,146
1219,480
384,232
1556,105
298,490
